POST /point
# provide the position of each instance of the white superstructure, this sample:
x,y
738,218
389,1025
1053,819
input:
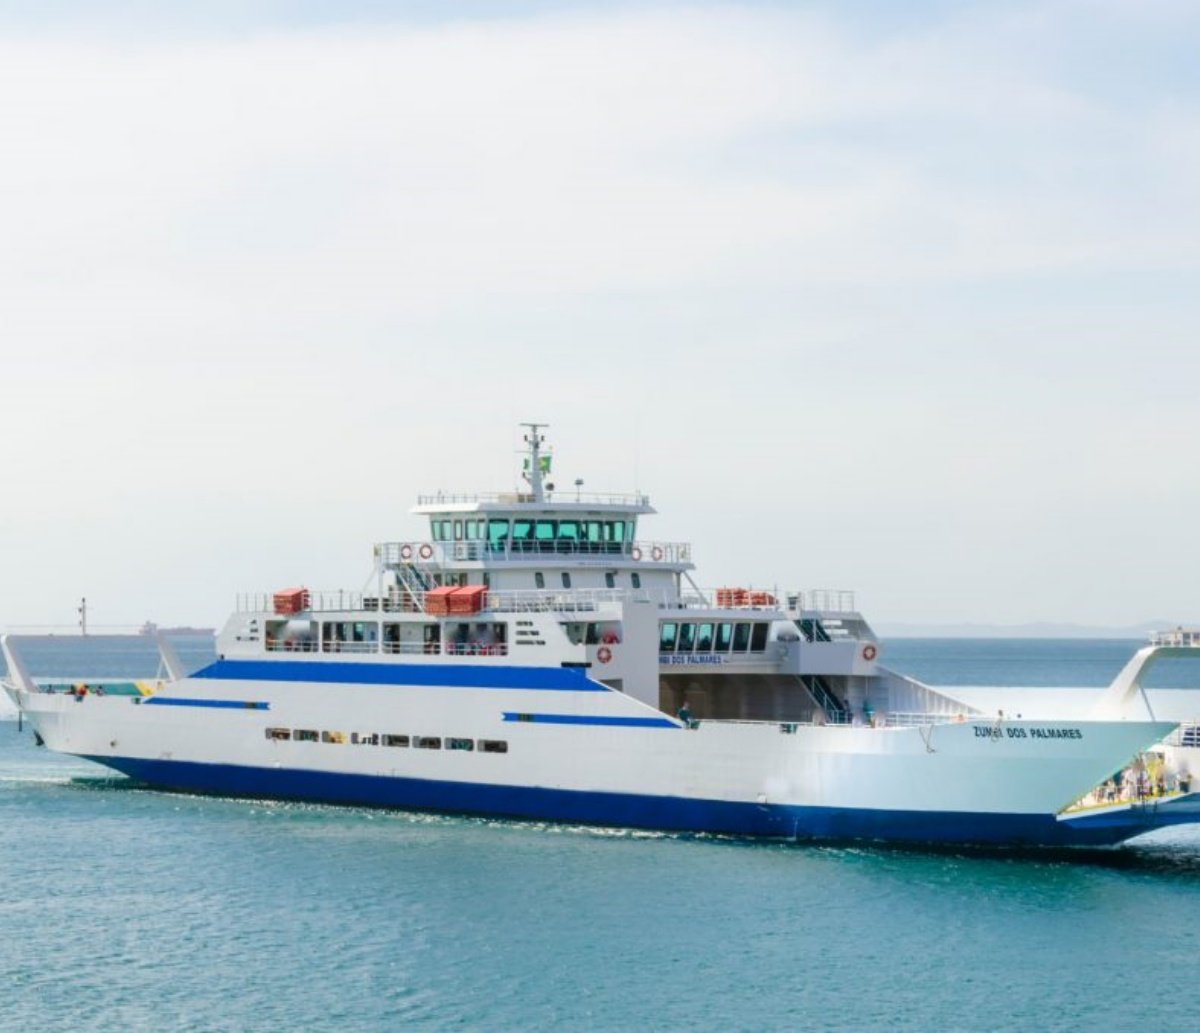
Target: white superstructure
x,y
534,655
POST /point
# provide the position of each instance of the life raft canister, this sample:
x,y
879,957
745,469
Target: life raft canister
x,y
869,652
604,654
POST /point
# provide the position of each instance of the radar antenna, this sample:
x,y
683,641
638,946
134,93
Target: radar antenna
x,y
536,463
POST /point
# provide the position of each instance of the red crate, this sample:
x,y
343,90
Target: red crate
x,y
437,600
292,600
468,599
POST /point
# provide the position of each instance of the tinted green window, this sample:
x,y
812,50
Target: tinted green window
x,y
724,637
704,638
666,637
458,530
497,531
522,530
741,637
614,530
758,639
595,531
473,530
544,530
568,530
443,534
687,637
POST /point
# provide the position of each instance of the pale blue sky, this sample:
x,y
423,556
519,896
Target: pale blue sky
x,y
896,297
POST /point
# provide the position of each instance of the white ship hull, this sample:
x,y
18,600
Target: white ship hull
x,y
579,752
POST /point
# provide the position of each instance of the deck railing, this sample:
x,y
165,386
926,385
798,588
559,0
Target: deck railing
x,y
437,554
567,600
517,498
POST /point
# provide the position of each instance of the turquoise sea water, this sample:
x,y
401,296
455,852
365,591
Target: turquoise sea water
x,y
129,909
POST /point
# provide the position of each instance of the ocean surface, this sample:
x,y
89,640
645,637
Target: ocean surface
x,y
127,909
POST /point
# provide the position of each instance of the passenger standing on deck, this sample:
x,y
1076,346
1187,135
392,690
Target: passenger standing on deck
x,y
685,714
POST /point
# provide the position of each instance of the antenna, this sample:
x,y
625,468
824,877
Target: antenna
x,y
533,461
82,611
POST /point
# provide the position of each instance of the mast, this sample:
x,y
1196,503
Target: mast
x,y
533,462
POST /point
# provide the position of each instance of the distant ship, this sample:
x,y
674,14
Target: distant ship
x,y
151,629
534,658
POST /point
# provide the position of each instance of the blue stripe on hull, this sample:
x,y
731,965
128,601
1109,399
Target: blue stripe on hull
x,y
462,676
667,813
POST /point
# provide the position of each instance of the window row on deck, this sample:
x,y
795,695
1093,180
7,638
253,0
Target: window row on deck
x,y
527,535
420,742
717,637
462,638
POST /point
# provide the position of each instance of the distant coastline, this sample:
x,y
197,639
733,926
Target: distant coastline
x,y
1035,629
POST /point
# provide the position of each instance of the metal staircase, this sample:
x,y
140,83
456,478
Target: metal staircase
x,y
836,712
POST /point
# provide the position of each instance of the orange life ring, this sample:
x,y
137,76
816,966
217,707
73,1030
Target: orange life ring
x,y
869,652
604,654
656,553
426,550
636,553
406,552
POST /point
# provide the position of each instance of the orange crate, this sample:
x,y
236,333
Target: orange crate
x,y
292,600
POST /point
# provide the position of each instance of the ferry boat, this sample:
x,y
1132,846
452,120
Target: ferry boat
x,y
534,657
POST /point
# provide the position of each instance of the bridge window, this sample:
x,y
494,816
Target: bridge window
x,y
667,633
522,535
758,638
724,637
497,531
741,638
614,535
704,638
441,530
458,530
544,532
568,531
594,533
687,638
